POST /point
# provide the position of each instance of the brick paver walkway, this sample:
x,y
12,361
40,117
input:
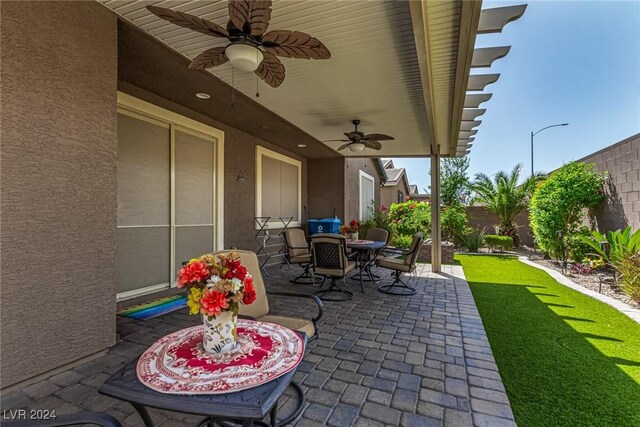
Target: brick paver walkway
x,y
380,360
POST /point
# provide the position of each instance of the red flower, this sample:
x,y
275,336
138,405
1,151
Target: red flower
x,y
249,291
213,302
240,272
195,272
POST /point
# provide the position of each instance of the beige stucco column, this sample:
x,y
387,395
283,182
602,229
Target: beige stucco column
x,y
436,248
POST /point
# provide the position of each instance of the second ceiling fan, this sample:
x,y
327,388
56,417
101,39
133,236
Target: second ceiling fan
x,y
358,141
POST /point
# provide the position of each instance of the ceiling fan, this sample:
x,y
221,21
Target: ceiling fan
x,y
250,49
358,141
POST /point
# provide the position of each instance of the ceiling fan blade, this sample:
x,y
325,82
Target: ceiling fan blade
x,y
260,16
239,12
378,137
271,70
374,145
342,147
337,140
252,17
294,44
209,58
189,21
353,136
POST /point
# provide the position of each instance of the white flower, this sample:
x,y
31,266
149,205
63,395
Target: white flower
x,y
237,284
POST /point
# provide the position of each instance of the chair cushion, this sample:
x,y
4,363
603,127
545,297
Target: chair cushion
x,y
296,242
295,323
335,272
394,264
300,259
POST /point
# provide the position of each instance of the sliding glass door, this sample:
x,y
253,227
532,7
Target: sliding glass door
x,y
166,201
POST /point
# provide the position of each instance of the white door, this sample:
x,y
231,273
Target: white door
x,y
367,185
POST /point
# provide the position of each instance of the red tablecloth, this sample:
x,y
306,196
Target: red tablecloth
x,y
177,363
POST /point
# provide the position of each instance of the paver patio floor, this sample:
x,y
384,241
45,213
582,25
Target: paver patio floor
x,y
380,359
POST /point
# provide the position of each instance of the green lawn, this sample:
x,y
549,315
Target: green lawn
x,y
566,359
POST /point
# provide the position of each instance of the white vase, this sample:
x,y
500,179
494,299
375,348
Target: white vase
x,y
220,333
355,236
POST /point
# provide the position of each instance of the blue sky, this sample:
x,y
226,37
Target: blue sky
x,y
570,61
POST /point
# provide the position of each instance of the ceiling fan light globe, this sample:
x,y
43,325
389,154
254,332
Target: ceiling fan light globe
x,y
356,147
243,56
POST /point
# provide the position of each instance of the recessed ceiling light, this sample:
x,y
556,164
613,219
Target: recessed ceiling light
x,y
203,95
264,127
302,145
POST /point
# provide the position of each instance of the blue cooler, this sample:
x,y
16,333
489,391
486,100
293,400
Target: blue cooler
x,y
327,225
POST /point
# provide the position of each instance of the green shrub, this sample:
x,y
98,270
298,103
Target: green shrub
x,y
402,241
410,217
454,224
499,243
578,248
629,279
558,204
378,218
474,241
623,244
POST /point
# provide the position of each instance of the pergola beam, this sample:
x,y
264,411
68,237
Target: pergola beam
x,y
483,57
495,19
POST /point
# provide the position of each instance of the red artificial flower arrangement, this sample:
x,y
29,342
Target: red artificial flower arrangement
x,y
217,283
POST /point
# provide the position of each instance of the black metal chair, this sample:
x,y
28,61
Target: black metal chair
x,y
400,265
81,418
299,253
329,258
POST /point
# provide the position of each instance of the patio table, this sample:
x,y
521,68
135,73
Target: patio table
x,y
365,250
245,406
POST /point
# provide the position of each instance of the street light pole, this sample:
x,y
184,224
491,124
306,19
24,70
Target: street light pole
x,y
535,133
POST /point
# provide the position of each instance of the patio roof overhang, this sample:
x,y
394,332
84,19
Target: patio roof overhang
x,y
402,68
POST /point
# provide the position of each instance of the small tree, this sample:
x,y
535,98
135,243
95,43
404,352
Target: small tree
x,y
505,198
454,181
559,205
455,193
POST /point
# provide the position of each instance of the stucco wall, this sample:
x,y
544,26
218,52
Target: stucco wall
x,y
621,207
352,185
150,71
58,172
326,188
480,218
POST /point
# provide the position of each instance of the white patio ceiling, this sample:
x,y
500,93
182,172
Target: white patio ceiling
x,y
372,75
376,73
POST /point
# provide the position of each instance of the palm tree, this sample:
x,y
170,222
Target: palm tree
x,y
504,197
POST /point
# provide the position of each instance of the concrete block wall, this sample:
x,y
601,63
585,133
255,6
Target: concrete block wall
x,y
621,161
481,218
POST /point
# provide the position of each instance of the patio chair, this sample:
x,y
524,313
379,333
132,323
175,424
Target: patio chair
x,y
377,235
329,258
81,418
299,253
259,310
404,264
